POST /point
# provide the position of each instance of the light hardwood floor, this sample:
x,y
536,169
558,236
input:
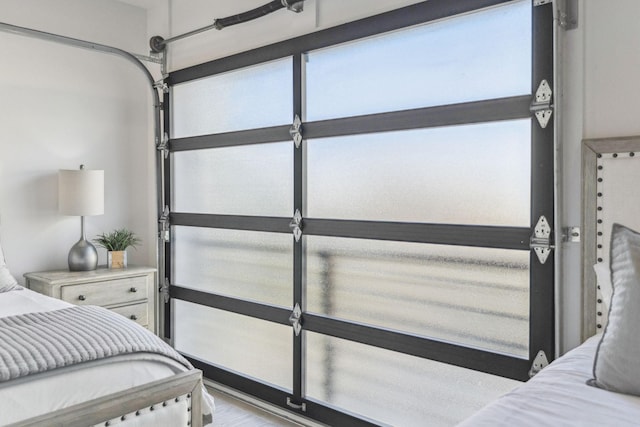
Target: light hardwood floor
x,y
232,412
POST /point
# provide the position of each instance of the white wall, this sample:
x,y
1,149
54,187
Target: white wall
x,y
62,106
600,63
611,63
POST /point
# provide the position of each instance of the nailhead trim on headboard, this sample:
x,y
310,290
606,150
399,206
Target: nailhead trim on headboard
x,y
599,220
600,232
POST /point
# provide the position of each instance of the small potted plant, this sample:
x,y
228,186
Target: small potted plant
x,y
116,244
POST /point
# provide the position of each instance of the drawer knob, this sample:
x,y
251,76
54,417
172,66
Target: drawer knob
x,y
133,317
134,289
82,298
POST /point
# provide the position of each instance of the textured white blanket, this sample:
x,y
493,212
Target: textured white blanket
x,y
559,396
36,342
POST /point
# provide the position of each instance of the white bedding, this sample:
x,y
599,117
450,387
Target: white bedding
x,y
22,300
25,397
559,396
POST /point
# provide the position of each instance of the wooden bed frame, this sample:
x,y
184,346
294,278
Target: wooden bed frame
x,y
601,207
148,397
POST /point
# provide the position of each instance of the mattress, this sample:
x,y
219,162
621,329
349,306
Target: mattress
x,y
559,396
45,392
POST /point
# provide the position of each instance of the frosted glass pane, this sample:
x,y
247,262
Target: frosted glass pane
x,y
248,98
478,297
244,180
473,174
477,56
393,388
242,264
256,348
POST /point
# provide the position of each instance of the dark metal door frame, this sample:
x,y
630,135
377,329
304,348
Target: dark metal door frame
x,y
541,283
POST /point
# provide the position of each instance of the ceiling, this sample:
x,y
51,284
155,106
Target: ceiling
x,y
145,4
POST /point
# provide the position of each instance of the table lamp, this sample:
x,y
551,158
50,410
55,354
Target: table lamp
x,y
81,193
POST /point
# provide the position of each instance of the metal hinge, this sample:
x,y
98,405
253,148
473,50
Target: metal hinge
x,y
165,234
296,131
296,225
541,239
163,145
541,105
539,363
296,319
164,290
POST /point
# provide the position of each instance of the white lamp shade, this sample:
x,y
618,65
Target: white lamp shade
x,y
81,192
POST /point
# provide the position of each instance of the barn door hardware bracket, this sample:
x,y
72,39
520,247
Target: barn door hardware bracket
x,y
165,234
161,85
568,14
571,234
296,131
300,407
541,105
541,239
296,319
296,225
163,145
539,363
540,2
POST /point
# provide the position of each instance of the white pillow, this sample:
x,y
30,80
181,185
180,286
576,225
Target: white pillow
x,y
617,363
7,281
603,277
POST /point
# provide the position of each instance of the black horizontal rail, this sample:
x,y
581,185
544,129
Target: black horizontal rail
x,y
389,21
508,366
247,308
234,222
231,139
510,108
443,234
440,234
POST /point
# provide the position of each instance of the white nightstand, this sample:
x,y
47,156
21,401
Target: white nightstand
x,y
128,291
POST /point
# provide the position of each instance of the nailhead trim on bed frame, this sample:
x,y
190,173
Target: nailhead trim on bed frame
x,y
151,408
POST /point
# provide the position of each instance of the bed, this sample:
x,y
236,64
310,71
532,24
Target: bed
x,y
560,396
146,384
597,383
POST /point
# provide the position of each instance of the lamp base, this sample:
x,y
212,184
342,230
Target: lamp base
x,y
83,256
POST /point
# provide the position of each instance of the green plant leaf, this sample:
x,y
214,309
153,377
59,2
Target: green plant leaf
x,y
117,240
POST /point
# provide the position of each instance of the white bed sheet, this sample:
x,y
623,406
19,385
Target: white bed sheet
x,y
559,396
49,391
23,300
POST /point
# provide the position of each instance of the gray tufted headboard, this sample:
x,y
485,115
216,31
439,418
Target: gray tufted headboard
x,y
610,194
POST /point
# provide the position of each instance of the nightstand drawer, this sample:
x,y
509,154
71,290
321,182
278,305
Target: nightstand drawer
x,y
110,292
128,291
139,313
